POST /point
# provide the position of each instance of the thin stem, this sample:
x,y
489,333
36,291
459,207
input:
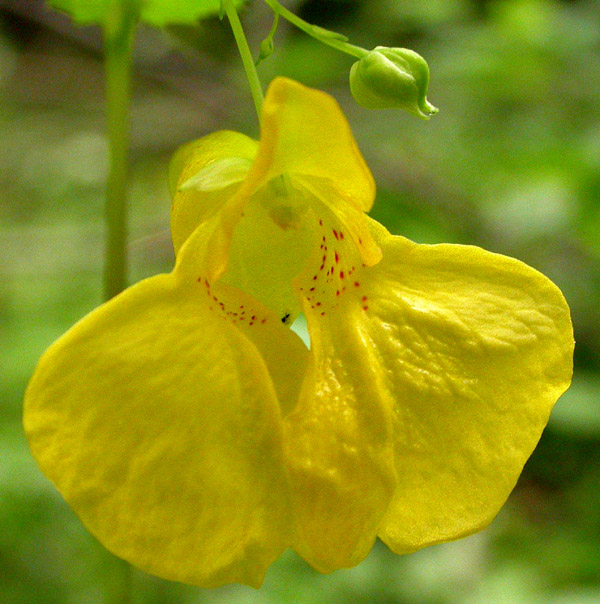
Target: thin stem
x,y
246,54
119,31
118,44
316,32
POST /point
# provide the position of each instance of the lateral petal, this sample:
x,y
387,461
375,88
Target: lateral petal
x,y
474,348
446,358
158,422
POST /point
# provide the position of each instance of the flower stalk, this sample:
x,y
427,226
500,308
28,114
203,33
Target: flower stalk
x,y
245,53
325,36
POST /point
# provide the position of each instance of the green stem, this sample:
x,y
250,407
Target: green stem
x,y
246,54
118,44
316,32
119,30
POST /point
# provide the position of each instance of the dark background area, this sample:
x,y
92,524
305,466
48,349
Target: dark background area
x,y
511,163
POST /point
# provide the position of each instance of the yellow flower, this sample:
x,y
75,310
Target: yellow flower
x,y
197,437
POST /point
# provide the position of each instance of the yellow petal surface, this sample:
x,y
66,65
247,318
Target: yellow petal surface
x,y
304,138
339,450
281,349
305,133
476,348
338,439
157,420
190,208
266,253
448,355
264,236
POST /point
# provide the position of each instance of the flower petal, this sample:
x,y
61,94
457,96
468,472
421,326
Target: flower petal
x,y
305,133
281,349
339,448
159,424
270,246
191,207
338,439
306,159
448,355
475,349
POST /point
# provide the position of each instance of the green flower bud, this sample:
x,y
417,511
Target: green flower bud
x,y
392,78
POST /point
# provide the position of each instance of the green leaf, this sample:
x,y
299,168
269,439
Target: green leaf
x,y
153,12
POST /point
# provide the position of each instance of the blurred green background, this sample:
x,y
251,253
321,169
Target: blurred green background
x,y
511,163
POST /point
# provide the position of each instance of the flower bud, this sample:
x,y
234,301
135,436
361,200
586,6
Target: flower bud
x,y
392,78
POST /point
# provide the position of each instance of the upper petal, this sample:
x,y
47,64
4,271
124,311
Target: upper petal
x,y
305,133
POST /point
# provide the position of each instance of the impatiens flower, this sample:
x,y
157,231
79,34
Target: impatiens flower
x,y
197,437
